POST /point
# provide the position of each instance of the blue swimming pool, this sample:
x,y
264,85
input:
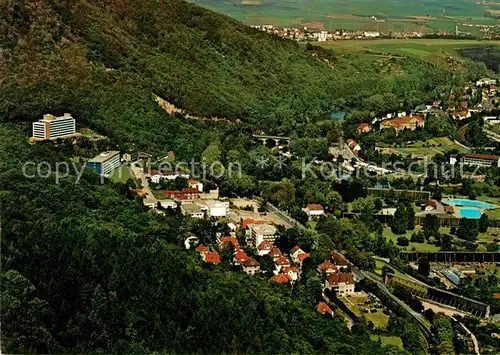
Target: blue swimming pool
x,y
472,203
469,212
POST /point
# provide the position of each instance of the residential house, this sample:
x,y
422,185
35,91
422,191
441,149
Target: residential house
x,y
328,267
355,147
364,128
264,248
281,279
251,266
195,184
314,210
340,260
323,308
280,263
292,271
240,257
342,284
303,257
406,122
275,253
295,253
212,258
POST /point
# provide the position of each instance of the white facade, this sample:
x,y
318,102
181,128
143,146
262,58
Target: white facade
x,y
481,160
196,184
105,163
51,127
216,209
260,233
168,203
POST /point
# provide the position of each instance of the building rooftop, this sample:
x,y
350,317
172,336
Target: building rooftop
x,y
104,156
263,229
49,117
191,208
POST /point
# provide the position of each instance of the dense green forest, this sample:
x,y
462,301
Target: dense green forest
x,y
86,270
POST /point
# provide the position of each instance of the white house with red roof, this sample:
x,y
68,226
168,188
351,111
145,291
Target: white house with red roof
x,y
314,210
196,185
264,248
323,308
343,284
327,267
281,263
240,257
275,253
292,271
295,253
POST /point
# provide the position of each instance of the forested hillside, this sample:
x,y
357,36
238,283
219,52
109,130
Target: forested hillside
x,y
103,60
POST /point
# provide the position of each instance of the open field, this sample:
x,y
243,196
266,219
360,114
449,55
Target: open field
x,y
122,174
429,49
388,340
375,15
430,148
418,246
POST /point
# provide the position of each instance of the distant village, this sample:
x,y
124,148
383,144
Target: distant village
x,y
313,34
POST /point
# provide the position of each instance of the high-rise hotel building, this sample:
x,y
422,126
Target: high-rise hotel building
x,y
51,127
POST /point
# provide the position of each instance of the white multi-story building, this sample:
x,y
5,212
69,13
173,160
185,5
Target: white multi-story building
x,y
51,127
105,163
481,160
261,232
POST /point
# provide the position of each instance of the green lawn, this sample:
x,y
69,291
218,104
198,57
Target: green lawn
x,y
388,340
418,246
122,174
431,147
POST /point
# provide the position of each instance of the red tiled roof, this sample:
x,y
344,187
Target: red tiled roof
x,y
265,245
396,122
251,263
482,156
362,126
230,240
275,253
303,257
246,222
281,278
241,256
335,279
155,172
212,258
324,308
282,261
327,265
315,207
339,259
202,248
295,249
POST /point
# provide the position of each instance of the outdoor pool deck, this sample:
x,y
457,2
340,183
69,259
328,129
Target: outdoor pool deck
x,y
470,203
471,209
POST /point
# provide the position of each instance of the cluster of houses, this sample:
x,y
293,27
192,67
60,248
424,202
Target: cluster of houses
x,y
315,32
261,237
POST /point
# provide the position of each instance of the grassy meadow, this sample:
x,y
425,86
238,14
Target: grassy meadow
x,y
428,49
